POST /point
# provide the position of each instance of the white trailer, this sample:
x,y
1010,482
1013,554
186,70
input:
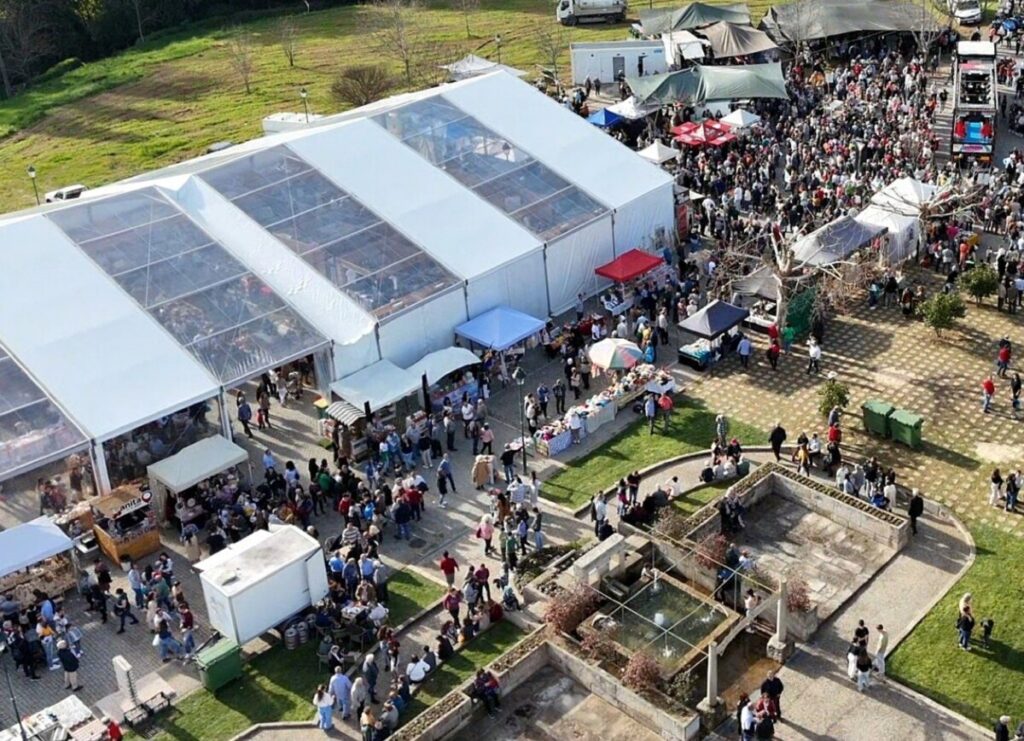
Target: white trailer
x,y
261,581
608,60
571,12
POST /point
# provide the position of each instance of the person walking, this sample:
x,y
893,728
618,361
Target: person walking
x,y
775,439
988,390
69,663
744,349
449,566
598,512
813,356
188,627
123,609
995,488
485,532
772,687
135,584
444,470
558,391
245,415
965,621
341,687
772,353
915,509
881,647
323,700
650,412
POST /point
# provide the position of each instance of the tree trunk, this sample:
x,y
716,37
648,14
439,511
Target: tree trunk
x,y
781,306
138,19
8,91
468,34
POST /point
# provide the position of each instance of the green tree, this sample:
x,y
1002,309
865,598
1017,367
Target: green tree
x,y
942,310
980,281
832,394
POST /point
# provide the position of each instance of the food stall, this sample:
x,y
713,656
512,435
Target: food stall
x,y
758,293
70,720
173,480
710,325
504,332
447,374
36,555
377,391
125,524
628,267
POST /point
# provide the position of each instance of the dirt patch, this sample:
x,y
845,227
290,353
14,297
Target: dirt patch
x,y
999,452
895,378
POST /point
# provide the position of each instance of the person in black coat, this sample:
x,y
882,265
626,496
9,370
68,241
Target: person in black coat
x,y
1002,728
914,510
69,663
772,686
775,439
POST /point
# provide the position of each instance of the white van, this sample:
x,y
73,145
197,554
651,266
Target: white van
x,y
67,193
966,12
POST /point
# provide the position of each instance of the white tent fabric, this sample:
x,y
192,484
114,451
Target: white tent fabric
x,y
637,223
629,108
439,364
658,153
197,462
471,66
741,119
89,345
905,196
516,284
904,232
379,385
572,259
683,45
30,543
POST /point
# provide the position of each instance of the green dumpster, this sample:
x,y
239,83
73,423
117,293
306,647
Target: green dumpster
x,y
876,416
906,427
219,664
742,468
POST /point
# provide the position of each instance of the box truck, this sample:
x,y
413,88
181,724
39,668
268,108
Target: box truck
x,y
571,12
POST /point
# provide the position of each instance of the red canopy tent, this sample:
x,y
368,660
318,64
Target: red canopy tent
x,y
711,132
629,265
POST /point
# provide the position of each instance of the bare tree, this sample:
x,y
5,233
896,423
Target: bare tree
x,y
552,42
925,15
398,32
243,56
288,38
361,85
431,61
26,37
467,8
137,7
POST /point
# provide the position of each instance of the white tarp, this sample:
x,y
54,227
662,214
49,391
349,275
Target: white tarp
x,y
30,543
905,196
197,462
658,153
683,45
440,363
629,108
430,326
904,232
85,341
471,66
379,385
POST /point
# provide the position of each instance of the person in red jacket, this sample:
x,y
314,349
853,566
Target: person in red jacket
x,y
1003,360
988,389
773,354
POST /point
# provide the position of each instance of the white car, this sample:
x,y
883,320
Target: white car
x,y
66,193
966,12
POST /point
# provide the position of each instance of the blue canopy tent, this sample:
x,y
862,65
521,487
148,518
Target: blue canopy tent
x,y
500,328
604,118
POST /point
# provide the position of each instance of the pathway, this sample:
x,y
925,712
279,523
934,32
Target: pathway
x,y
820,702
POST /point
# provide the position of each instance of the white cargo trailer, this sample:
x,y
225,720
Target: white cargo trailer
x,y
262,580
607,60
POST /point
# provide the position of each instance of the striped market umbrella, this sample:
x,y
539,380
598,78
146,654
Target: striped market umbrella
x,y
615,354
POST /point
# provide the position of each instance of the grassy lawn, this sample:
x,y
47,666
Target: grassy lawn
x,y
409,593
691,501
480,652
983,683
167,100
693,428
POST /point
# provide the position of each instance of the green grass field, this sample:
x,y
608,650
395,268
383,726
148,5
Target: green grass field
x,y
693,428
689,502
410,593
983,683
169,99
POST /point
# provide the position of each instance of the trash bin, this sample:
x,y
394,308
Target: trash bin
x,y
742,468
906,427
876,416
219,664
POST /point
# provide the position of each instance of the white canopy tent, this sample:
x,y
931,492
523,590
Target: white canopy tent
x,y
378,385
741,119
30,543
681,46
439,364
197,462
472,66
629,108
658,153
897,208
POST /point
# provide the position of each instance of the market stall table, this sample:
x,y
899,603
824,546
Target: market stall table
x,y
172,478
125,524
36,555
708,325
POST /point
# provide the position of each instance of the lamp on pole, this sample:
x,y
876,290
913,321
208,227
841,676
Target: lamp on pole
x,y
520,378
32,177
497,42
303,93
10,689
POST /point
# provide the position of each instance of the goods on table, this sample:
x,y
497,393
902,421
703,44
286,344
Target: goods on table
x,y
54,575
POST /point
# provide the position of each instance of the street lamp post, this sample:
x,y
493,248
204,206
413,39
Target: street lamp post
x,y
32,177
10,689
303,93
520,378
497,41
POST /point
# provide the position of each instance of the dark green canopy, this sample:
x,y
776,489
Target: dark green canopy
x,y
694,15
807,21
700,84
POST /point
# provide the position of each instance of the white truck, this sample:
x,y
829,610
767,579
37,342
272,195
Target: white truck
x,y
571,12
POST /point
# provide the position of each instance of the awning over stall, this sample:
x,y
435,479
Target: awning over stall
x,y
197,462
716,318
344,412
824,18
629,265
741,119
500,328
378,385
700,83
604,118
694,15
732,40
658,153
834,242
30,543
439,364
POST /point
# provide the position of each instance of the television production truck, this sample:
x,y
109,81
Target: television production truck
x,y
975,100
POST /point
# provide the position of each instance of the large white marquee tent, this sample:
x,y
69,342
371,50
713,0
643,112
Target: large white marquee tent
x,y
372,233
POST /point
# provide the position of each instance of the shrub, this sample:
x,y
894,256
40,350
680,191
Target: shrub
x,y
942,310
980,281
598,644
566,610
798,596
642,672
671,523
711,550
362,84
832,394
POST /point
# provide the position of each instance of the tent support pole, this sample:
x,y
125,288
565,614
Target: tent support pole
x,y
547,278
99,467
225,419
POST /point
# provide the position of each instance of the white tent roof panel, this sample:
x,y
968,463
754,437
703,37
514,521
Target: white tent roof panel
x,y
566,143
30,543
363,159
91,347
380,384
198,461
439,364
